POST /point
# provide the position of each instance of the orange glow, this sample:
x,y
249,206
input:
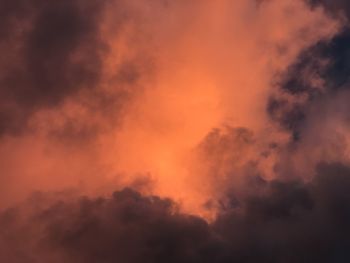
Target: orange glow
x,y
203,65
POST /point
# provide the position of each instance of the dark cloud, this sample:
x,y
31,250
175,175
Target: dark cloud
x,y
289,115
125,228
293,222
278,221
335,7
49,51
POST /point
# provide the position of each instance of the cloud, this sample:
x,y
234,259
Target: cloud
x,y
278,221
221,128
50,51
336,7
105,88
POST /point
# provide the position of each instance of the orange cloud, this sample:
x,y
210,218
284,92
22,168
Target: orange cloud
x,y
170,75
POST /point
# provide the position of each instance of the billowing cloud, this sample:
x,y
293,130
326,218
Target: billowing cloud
x,y
275,221
225,122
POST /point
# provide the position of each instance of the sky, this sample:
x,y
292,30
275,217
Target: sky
x,y
139,131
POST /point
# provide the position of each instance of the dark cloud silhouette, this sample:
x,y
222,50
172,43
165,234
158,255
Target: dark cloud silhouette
x,y
277,221
49,51
292,222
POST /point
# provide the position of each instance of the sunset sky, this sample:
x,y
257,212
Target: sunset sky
x,y
184,131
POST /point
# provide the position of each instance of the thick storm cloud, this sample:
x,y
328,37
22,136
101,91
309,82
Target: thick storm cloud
x,y
276,221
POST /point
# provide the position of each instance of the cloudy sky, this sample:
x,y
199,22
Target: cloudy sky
x,y
185,131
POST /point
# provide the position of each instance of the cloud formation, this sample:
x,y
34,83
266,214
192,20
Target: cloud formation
x,y
50,51
275,221
220,126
